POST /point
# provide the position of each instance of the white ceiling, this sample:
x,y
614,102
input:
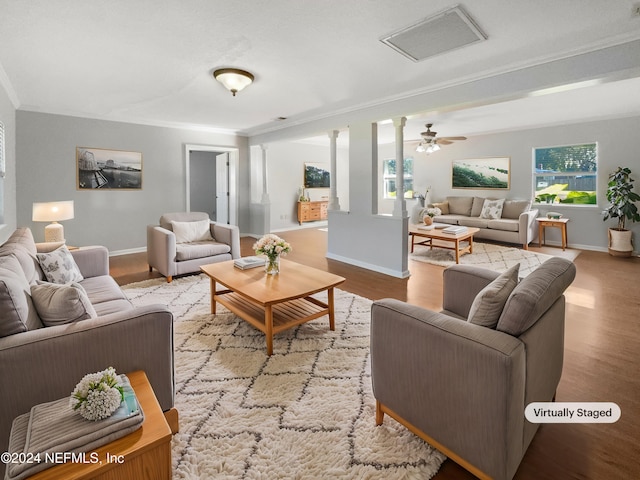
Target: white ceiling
x,y
150,61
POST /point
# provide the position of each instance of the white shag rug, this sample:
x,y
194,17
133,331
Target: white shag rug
x,y
486,255
306,412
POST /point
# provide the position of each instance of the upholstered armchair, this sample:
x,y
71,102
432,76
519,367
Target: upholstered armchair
x,y
184,241
462,386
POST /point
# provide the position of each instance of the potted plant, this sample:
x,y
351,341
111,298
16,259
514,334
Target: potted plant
x,y
622,206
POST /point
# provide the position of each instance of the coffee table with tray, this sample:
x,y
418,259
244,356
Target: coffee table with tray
x,y
273,303
460,243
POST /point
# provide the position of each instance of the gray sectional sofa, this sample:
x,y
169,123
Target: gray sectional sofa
x,y
516,223
90,327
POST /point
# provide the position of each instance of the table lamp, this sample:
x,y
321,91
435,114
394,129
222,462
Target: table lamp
x,y
53,212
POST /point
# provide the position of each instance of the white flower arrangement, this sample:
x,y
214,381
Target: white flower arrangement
x,y
271,245
433,211
97,395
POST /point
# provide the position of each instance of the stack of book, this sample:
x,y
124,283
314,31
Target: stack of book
x,y
455,229
245,263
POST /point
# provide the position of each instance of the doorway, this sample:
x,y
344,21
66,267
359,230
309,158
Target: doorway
x,y
211,182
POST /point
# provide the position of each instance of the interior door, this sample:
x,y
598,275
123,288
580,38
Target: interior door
x,y
222,188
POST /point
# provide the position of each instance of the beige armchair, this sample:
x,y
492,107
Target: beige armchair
x,y
463,387
183,251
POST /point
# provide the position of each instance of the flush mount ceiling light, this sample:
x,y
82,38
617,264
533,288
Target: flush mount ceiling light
x,y
233,79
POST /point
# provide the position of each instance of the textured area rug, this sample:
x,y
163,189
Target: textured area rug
x,y
306,412
487,255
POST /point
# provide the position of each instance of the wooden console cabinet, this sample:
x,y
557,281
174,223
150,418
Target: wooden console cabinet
x,y
312,211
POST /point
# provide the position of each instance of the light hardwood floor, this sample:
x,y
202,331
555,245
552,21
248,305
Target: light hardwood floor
x,y
602,352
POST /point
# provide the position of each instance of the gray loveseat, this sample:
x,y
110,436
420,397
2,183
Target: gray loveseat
x,y
463,387
41,363
516,224
171,255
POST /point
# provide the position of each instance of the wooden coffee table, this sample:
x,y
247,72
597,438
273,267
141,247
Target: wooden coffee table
x,y
273,303
444,239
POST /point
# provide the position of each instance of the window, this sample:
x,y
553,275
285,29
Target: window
x,y
566,175
389,178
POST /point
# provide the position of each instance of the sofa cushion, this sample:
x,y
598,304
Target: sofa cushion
x,y
535,294
102,289
514,208
460,205
59,266
473,222
488,304
506,224
190,251
28,261
443,206
449,219
476,206
17,313
22,236
492,209
58,304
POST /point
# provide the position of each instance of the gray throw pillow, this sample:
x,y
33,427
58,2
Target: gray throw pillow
x,y
488,304
59,266
58,304
492,209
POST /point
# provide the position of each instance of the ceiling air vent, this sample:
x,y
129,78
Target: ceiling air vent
x,y
434,35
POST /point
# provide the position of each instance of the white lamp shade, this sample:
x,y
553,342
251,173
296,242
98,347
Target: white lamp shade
x,y
233,79
52,211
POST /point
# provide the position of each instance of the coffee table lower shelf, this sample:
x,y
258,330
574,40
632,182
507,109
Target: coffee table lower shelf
x,y
275,318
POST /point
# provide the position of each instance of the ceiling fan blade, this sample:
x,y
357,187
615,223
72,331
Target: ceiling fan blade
x,y
452,138
444,141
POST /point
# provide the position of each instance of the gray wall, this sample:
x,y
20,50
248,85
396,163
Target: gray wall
x,y
617,146
46,152
8,183
285,174
202,188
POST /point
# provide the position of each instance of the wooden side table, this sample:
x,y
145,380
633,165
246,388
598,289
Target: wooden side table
x,y
560,223
144,454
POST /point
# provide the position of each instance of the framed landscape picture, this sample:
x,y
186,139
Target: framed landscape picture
x,y
316,175
481,173
98,168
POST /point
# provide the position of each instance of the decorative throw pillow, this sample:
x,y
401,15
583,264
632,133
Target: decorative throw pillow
x,y
58,304
492,209
187,232
443,206
59,266
488,304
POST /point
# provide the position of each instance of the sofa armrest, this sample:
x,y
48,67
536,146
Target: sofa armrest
x,y
461,384
527,229
92,261
161,249
461,284
45,364
229,234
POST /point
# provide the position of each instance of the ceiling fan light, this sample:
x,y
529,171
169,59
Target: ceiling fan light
x,y
420,148
233,79
435,147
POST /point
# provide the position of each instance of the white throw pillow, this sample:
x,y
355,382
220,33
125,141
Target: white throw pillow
x,y
59,266
489,303
492,209
58,304
187,232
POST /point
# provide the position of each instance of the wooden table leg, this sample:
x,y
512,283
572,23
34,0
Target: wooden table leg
x,y
268,320
413,238
457,251
540,234
563,228
213,296
471,244
332,318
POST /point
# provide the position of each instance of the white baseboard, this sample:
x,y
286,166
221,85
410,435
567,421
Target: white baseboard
x,y
127,251
369,266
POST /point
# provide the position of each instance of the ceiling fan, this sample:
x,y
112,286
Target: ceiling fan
x,y
431,142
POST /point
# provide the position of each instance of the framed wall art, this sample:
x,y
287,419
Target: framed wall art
x,y
316,175
481,173
99,168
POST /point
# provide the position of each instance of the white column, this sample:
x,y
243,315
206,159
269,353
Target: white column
x,y
400,205
265,185
334,201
